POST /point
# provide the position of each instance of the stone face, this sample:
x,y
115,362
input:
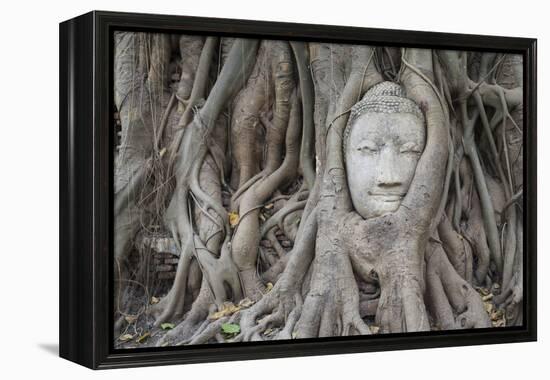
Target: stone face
x,y
381,156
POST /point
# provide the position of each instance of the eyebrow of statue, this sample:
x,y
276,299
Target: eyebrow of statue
x,y
406,136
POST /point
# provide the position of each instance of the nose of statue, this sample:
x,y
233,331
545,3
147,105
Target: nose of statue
x,y
388,172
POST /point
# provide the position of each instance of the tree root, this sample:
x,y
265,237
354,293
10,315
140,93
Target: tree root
x,y
453,302
199,312
285,295
277,219
511,298
457,248
247,236
331,307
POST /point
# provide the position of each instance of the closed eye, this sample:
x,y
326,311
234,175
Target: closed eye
x,y
367,147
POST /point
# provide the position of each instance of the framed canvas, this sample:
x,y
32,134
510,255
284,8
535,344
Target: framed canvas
x,y
235,189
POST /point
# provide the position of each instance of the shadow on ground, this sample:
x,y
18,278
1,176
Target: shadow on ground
x,y
52,348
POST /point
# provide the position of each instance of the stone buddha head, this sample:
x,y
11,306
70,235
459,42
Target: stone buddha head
x,y
383,141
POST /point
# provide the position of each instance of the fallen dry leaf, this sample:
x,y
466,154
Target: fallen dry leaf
x,y
483,291
233,219
130,318
488,297
227,309
126,337
245,302
143,338
498,314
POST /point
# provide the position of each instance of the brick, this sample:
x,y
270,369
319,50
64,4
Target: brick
x,y
164,268
163,255
166,275
171,261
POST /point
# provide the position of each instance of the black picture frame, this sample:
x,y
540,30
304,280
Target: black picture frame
x,y
86,196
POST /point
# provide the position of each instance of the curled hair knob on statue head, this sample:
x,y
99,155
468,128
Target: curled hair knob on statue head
x,y
385,97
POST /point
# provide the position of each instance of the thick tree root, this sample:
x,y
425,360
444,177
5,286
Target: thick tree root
x,y
285,297
247,235
453,302
331,307
199,312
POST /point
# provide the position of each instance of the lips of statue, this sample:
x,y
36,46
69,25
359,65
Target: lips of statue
x,y
381,157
